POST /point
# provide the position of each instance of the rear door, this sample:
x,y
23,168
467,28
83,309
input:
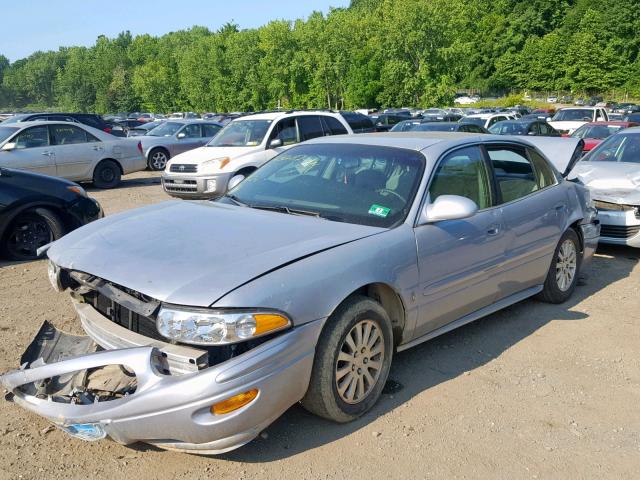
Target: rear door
x,y
32,151
534,210
76,151
458,259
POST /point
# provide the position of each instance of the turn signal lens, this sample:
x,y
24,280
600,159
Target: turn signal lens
x,y
224,162
269,322
234,403
77,189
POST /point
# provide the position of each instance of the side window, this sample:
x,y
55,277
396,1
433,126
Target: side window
x,y
286,131
310,127
546,176
333,126
33,137
463,173
67,135
191,131
210,130
515,177
534,128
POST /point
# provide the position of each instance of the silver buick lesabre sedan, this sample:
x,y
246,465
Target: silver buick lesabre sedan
x,y
299,285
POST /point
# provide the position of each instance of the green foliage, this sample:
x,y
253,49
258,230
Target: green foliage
x,y
373,53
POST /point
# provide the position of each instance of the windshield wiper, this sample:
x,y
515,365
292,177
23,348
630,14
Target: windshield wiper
x,y
287,210
235,200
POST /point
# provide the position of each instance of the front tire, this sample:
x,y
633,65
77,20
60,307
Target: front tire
x,y
158,158
30,231
352,361
107,174
563,273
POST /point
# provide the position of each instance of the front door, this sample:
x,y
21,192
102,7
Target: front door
x,y
189,137
458,259
32,152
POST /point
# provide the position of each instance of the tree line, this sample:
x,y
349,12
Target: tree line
x,y
373,53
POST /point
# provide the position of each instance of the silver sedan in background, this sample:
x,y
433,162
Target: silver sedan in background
x,y
299,285
173,137
69,150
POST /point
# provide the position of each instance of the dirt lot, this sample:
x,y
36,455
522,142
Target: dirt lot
x,y
535,391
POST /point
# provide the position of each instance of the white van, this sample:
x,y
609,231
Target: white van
x,y
241,147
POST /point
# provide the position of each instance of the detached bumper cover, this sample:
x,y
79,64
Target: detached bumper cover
x,y
173,411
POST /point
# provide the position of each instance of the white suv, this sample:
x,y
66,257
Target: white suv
x,y
241,147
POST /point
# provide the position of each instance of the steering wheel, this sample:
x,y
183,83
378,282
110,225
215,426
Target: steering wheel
x,y
395,194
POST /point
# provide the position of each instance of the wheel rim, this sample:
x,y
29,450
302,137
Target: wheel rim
x,y
108,175
566,265
27,237
359,362
159,160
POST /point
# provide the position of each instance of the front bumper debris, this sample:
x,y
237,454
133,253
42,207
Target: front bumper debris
x,y
124,394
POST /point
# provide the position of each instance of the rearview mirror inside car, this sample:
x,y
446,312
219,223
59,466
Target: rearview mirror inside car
x,y
7,147
275,143
448,207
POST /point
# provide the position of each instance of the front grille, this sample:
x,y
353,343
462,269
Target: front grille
x,y
123,316
619,231
189,186
184,168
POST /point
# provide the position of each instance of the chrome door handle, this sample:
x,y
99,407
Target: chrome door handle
x,y
494,230
48,154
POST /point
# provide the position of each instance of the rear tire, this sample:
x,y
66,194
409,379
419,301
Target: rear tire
x,y
107,174
158,158
564,270
30,231
352,361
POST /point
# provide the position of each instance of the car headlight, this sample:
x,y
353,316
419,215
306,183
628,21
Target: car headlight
x,y
218,163
206,327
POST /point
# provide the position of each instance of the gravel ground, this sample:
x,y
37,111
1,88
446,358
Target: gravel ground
x,y
534,391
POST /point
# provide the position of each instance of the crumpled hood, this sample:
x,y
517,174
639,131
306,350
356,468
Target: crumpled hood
x,y
615,182
193,253
202,154
567,125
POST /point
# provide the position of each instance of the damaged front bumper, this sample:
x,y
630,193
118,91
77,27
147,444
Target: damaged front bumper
x,y
136,394
620,223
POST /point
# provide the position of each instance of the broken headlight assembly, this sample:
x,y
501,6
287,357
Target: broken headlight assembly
x,y
207,327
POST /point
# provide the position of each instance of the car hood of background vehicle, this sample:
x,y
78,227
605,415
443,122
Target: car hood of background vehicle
x,y
615,182
193,253
568,125
202,154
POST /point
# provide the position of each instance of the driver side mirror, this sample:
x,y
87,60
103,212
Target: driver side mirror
x,y
182,135
7,147
448,207
275,143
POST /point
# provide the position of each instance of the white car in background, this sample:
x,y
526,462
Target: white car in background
x,y
241,147
568,120
487,120
69,150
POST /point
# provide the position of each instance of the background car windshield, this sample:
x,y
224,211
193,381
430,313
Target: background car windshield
x,y
6,132
508,128
241,133
367,185
617,148
435,127
572,115
474,120
165,130
596,131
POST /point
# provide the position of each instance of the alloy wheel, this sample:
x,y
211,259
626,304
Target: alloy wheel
x,y
566,265
159,160
359,362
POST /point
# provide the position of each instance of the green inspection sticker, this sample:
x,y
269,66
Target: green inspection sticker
x,y
379,211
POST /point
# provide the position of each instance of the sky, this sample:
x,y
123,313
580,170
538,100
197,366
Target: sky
x,y
34,25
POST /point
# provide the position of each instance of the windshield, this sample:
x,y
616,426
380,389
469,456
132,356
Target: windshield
x,y
508,128
573,115
362,184
474,120
617,148
165,130
599,132
241,133
6,132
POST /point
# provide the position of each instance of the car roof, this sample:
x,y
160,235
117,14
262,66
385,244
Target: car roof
x,y
278,115
411,140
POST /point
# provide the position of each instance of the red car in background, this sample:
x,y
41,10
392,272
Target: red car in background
x,y
595,132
